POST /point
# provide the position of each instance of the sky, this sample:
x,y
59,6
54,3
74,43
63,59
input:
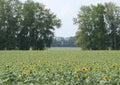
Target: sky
x,y
66,10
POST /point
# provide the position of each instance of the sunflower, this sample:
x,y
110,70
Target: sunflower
x,y
77,76
23,73
84,69
105,77
76,69
29,71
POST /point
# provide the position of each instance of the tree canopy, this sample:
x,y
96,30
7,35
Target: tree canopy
x,y
26,25
98,27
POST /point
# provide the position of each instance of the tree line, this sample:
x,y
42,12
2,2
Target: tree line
x,y
63,42
98,27
30,25
26,25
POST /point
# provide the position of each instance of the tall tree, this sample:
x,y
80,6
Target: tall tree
x,y
84,32
37,26
26,25
2,25
8,23
112,17
92,32
99,35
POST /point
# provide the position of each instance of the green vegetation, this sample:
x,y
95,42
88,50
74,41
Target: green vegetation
x,y
26,25
98,27
60,67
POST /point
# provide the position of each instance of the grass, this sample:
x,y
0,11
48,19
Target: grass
x,y
60,67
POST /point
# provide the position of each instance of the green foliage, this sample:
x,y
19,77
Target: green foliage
x,y
8,23
98,27
113,20
26,25
60,67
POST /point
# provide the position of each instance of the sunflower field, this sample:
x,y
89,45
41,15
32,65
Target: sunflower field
x,y
60,67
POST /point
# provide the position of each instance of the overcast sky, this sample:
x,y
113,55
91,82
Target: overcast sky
x,y
66,10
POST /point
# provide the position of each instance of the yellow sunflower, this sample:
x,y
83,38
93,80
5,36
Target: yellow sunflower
x,y
23,73
84,69
76,69
29,71
105,77
77,76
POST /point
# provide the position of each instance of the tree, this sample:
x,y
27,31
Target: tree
x,y
112,17
45,24
8,23
99,37
26,25
2,24
94,31
38,25
83,35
